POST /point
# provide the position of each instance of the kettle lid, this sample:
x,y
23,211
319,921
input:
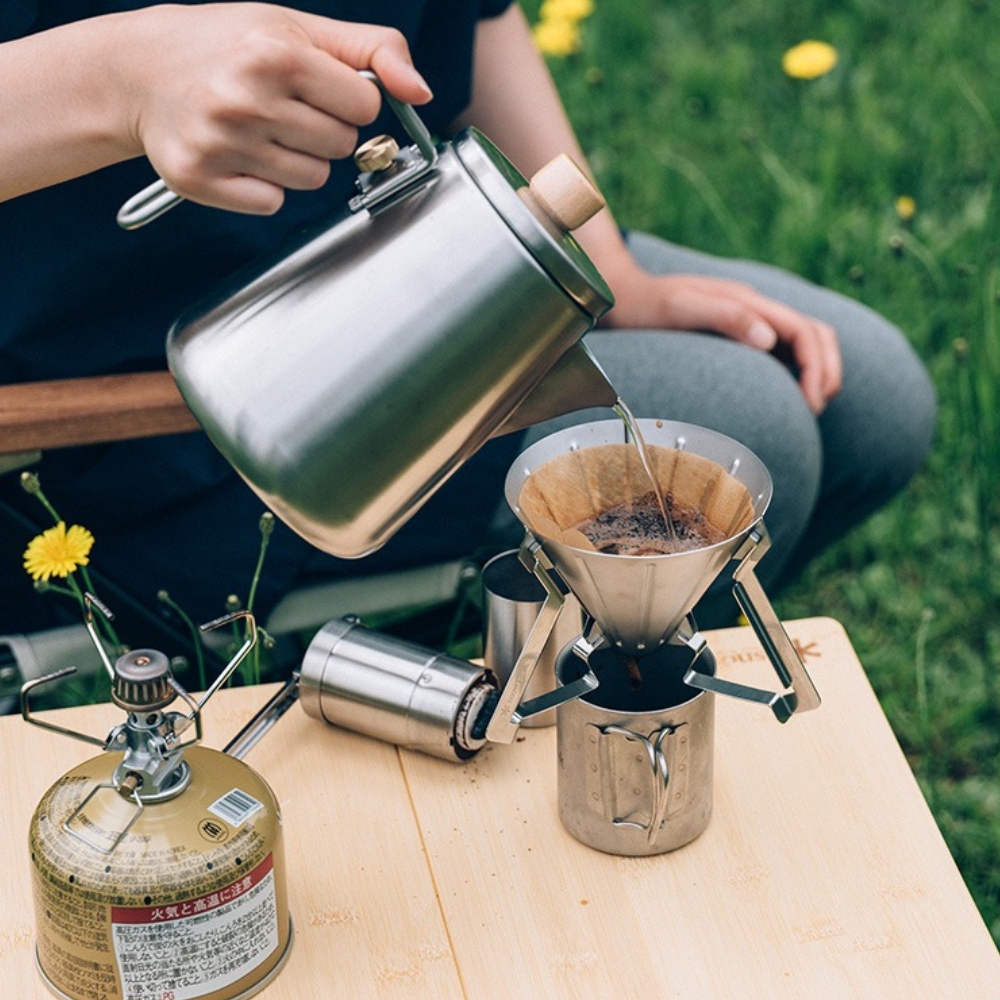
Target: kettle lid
x,y
550,244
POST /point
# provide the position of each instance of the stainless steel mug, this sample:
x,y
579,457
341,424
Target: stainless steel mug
x,y
512,603
350,374
635,764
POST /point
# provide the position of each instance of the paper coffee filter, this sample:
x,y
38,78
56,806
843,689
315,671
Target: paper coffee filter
x,y
578,485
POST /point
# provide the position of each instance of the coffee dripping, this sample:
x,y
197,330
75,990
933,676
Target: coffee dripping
x,y
641,527
639,603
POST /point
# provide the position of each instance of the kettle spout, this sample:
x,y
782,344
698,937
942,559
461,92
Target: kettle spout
x,y
575,382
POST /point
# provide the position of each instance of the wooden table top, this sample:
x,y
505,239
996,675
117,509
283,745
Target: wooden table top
x,y
821,875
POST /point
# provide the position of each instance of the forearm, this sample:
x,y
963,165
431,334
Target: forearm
x,y
61,106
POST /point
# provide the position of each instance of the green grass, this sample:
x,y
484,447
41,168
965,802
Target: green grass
x,y
696,134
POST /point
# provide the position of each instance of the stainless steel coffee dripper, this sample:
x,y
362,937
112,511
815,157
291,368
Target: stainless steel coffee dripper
x,y
639,603
350,374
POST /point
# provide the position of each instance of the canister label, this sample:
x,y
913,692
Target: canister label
x,y
185,950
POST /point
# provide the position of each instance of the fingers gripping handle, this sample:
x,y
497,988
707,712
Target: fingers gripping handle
x,y
157,199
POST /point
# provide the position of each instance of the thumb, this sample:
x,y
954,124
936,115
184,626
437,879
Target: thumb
x,y
368,46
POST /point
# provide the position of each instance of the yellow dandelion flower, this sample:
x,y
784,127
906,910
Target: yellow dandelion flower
x,y
566,10
58,551
906,207
808,60
557,37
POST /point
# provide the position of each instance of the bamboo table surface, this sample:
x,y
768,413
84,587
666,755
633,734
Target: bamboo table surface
x,y
821,875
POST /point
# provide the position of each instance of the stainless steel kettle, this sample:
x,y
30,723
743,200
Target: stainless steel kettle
x,y
350,374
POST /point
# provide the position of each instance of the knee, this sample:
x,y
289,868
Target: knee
x,y
878,431
772,419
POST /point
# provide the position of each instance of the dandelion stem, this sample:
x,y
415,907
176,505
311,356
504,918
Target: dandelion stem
x,y
266,524
199,653
923,703
44,501
101,623
266,529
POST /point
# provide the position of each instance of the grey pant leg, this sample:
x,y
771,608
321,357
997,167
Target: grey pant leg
x,y
828,473
876,432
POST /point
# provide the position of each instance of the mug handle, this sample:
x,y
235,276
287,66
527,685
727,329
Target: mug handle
x,y
660,771
801,695
157,199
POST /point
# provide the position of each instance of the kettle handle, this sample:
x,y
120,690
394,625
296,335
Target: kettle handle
x,y
157,199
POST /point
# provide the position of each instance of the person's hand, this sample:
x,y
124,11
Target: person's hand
x,y
234,103
737,311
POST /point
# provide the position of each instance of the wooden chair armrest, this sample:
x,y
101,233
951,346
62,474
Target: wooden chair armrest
x,y
35,416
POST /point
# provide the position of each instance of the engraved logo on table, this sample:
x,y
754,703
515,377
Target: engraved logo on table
x,y
811,650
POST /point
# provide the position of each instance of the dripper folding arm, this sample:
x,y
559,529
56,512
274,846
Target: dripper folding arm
x,y
801,695
510,711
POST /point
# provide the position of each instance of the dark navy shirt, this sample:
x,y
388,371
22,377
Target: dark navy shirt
x,y
79,296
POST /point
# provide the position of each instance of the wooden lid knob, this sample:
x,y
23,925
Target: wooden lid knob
x,y
565,193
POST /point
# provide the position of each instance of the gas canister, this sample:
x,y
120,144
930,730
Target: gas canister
x,y
158,867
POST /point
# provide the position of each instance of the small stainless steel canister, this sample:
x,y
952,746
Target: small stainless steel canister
x,y
636,761
395,690
512,600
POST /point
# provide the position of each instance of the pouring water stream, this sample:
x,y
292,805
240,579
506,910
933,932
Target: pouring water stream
x,y
632,425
